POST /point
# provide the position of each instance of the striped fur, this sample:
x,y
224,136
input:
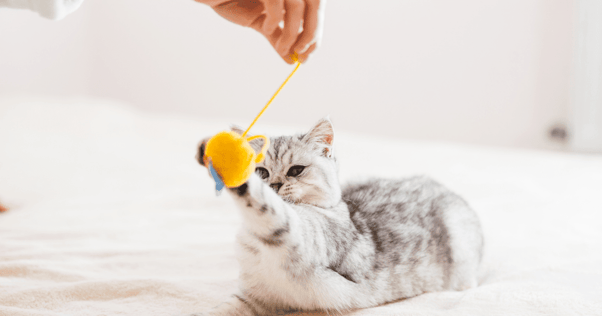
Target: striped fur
x,y
306,244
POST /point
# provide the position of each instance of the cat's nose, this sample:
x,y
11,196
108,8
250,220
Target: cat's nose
x,y
276,186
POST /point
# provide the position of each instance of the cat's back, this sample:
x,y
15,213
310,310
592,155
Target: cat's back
x,y
405,201
418,222
374,193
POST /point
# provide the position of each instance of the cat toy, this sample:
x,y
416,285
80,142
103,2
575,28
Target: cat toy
x,y
229,156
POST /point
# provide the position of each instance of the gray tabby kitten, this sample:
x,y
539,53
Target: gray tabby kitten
x,y
306,244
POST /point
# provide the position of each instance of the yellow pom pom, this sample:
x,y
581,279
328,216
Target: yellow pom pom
x,y
295,57
233,157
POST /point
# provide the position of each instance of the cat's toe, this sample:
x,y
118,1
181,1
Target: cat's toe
x,y
201,151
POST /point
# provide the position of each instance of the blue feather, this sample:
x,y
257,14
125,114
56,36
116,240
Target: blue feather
x,y
219,184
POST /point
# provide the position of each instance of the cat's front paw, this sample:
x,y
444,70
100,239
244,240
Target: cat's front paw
x,y
201,151
241,190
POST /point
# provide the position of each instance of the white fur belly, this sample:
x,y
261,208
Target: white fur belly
x,y
319,288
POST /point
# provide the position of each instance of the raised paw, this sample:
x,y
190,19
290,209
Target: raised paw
x,y
201,151
241,190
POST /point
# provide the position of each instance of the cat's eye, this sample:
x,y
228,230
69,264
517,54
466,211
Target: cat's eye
x,y
295,171
262,172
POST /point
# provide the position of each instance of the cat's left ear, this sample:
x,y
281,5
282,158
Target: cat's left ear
x,y
322,136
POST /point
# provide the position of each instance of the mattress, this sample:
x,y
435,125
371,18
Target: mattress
x,y
109,214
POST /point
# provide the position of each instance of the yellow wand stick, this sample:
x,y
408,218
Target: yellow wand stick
x,y
295,58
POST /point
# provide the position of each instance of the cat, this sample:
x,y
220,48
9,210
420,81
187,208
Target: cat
x,y
307,244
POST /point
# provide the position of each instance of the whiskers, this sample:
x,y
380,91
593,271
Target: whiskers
x,y
289,199
291,193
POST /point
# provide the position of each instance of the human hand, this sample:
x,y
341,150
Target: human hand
x,y
264,16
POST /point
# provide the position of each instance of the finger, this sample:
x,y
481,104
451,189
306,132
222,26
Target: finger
x,y
310,24
240,12
288,59
274,11
293,15
272,38
305,55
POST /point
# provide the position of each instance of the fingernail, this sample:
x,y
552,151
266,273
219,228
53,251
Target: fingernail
x,y
304,49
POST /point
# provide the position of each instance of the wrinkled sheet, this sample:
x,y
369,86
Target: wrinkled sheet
x,y
111,215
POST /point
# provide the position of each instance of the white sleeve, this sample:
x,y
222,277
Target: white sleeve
x,y
51,9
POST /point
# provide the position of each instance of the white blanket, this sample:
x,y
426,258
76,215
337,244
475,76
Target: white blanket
x,y
111,215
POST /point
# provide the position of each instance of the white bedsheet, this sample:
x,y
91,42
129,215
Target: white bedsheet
x,y
111,215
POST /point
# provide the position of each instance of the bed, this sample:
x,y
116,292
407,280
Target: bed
x,y
109,214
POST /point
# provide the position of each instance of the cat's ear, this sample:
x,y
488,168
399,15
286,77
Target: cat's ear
x,y
256,144
322,136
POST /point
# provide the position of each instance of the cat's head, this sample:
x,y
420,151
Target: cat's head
x,y
302,168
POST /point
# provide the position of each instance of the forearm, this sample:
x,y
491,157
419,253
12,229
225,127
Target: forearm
x,y
264,212
277,225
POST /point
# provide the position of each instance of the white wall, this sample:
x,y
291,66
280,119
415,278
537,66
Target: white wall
x,y
486,72
40,56
585,117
